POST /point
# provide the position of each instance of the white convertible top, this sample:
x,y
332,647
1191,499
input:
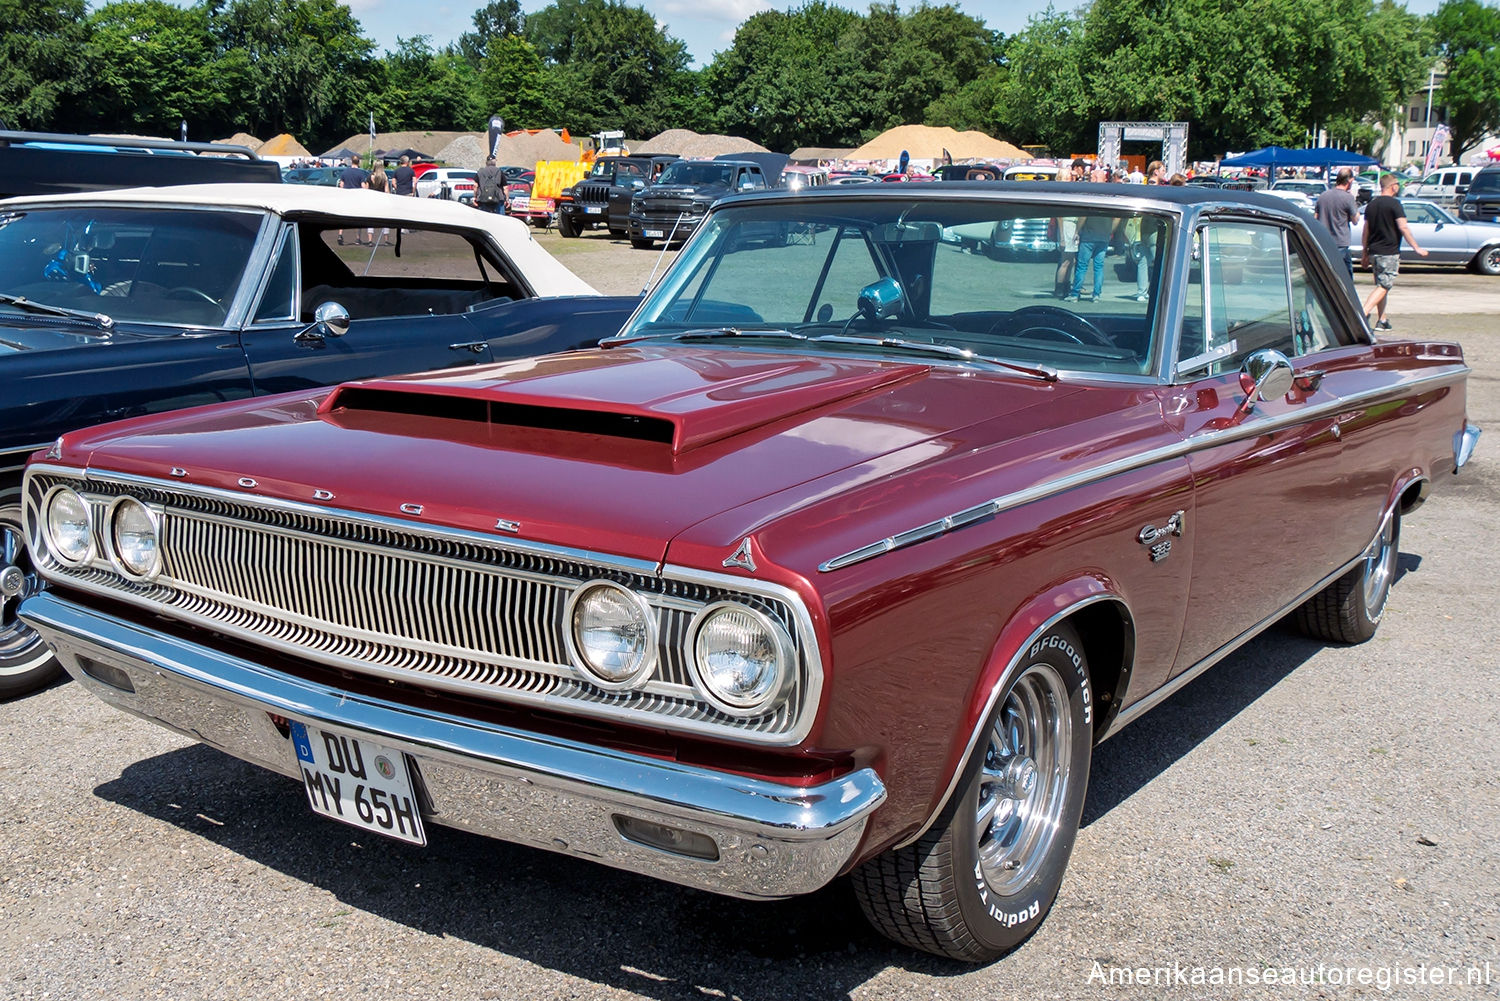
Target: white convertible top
x,y
541,269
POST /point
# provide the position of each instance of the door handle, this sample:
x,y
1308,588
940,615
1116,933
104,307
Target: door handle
x,y
478,347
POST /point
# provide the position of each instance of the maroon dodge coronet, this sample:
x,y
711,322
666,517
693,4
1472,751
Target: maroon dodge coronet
x,y
841,558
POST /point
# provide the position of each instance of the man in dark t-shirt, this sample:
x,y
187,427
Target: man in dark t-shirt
x,y
1338,211
405,177
352,177
1385,225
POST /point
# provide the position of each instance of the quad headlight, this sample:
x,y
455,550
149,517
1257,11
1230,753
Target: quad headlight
x,y
69,526
611,633
742,658
134,532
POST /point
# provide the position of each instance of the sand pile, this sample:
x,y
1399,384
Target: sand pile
x,y
927,142
686,142
466,151
241,139
282,145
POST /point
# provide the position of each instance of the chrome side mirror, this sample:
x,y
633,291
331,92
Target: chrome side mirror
x,y
881,299
330,319
1266,375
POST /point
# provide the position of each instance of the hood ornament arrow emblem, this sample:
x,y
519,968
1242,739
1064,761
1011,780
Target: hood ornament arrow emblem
x,y
741,557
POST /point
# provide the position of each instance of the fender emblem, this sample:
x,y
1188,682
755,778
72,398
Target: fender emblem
x,y
741,557
506,525
1159,540
411,509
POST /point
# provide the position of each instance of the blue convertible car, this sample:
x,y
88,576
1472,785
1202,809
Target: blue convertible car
x,y
114,304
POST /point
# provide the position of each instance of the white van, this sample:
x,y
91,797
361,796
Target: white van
x,y
1445,186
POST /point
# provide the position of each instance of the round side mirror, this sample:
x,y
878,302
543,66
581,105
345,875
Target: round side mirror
x,y
332,319
1266,375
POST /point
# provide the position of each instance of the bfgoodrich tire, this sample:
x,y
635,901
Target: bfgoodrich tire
x,y
25,662
566,226
1350,609
981,880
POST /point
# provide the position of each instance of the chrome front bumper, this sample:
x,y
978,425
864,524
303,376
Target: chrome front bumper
x,y
773,840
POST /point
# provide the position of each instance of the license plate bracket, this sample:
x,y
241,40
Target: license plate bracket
x,y
358,782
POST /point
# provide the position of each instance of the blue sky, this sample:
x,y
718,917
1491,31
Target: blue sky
x,y
707,26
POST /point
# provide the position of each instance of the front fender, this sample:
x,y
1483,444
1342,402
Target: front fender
x,y
1028,625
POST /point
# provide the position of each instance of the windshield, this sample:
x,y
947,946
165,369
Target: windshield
x,y
1486,180
157,265
980,276
696,172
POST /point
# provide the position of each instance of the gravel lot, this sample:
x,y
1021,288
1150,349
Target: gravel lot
x,y
1300,805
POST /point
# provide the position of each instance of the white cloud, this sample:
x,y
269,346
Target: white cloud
x,y
714,10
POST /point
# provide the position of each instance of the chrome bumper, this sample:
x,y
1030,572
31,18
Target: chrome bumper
x,y
773,840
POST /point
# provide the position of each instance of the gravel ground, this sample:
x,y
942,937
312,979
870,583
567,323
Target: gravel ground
x,y
1300,806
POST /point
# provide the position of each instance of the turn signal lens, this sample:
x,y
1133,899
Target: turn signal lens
x,y
612,634
70,526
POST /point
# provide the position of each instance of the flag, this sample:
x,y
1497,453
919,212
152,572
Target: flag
x,y
1440,137
372,130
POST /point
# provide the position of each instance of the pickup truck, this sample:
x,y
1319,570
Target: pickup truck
x,y
671,209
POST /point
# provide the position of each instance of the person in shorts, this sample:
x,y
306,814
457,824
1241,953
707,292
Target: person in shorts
x,y
1385,226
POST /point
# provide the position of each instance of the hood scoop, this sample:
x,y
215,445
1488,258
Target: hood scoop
x,y
670,403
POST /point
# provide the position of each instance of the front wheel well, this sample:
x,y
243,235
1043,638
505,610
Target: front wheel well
x,y
1108,636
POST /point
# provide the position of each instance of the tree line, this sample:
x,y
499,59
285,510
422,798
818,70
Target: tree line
x,y
1244,73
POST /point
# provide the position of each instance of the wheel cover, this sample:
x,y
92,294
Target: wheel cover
x,y
1491,261
1023,780
18,581
1380,568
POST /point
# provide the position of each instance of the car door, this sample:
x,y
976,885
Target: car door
x,y
406,314
1267,476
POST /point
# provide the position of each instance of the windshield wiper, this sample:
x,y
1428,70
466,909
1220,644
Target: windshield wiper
x,y
1044,372
100,320
707,334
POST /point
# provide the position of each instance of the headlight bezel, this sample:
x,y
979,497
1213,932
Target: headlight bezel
x,y
643,671
785,669
49,536
112,547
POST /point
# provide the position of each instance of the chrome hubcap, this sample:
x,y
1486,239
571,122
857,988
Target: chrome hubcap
x,y
18,581
1380,568
1023,781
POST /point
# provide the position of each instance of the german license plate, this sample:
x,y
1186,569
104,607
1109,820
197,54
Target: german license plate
x,y
594,209
653,232
358,782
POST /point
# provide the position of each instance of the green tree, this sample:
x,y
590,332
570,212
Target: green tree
x,y
45,63
1043,98
511,84
917,59
156,66
608,66
1467,34
797,78
306,67
493,21
419,89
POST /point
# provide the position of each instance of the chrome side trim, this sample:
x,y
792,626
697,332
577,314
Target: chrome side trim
x,y
1137,709
20,452
1463,445
773,839
1198,443
989,706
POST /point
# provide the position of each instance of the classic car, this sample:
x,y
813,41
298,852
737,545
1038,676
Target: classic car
x,y
1446,238
49,163
130,302
839,559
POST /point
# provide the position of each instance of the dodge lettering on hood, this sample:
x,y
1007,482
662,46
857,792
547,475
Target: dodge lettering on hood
x,y
839,560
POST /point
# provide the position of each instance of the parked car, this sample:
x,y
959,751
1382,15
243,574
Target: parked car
x,y
448,183
325,177
843,179
1304,186
603,197
120,303
1294,195
47,163
841,558
1445,186
1446,238
1481,203
969,172
797,177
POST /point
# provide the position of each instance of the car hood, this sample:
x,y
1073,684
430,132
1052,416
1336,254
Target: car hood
x,y
20,333
614,450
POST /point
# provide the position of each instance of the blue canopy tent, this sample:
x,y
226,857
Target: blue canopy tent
x,y
1273,157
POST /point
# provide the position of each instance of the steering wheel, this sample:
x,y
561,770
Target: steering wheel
x,y
1051,323
185,292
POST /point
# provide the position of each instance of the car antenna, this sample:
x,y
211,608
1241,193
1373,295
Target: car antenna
x,y
664,245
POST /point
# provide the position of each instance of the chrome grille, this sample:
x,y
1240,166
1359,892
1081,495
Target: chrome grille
x,y
414,603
